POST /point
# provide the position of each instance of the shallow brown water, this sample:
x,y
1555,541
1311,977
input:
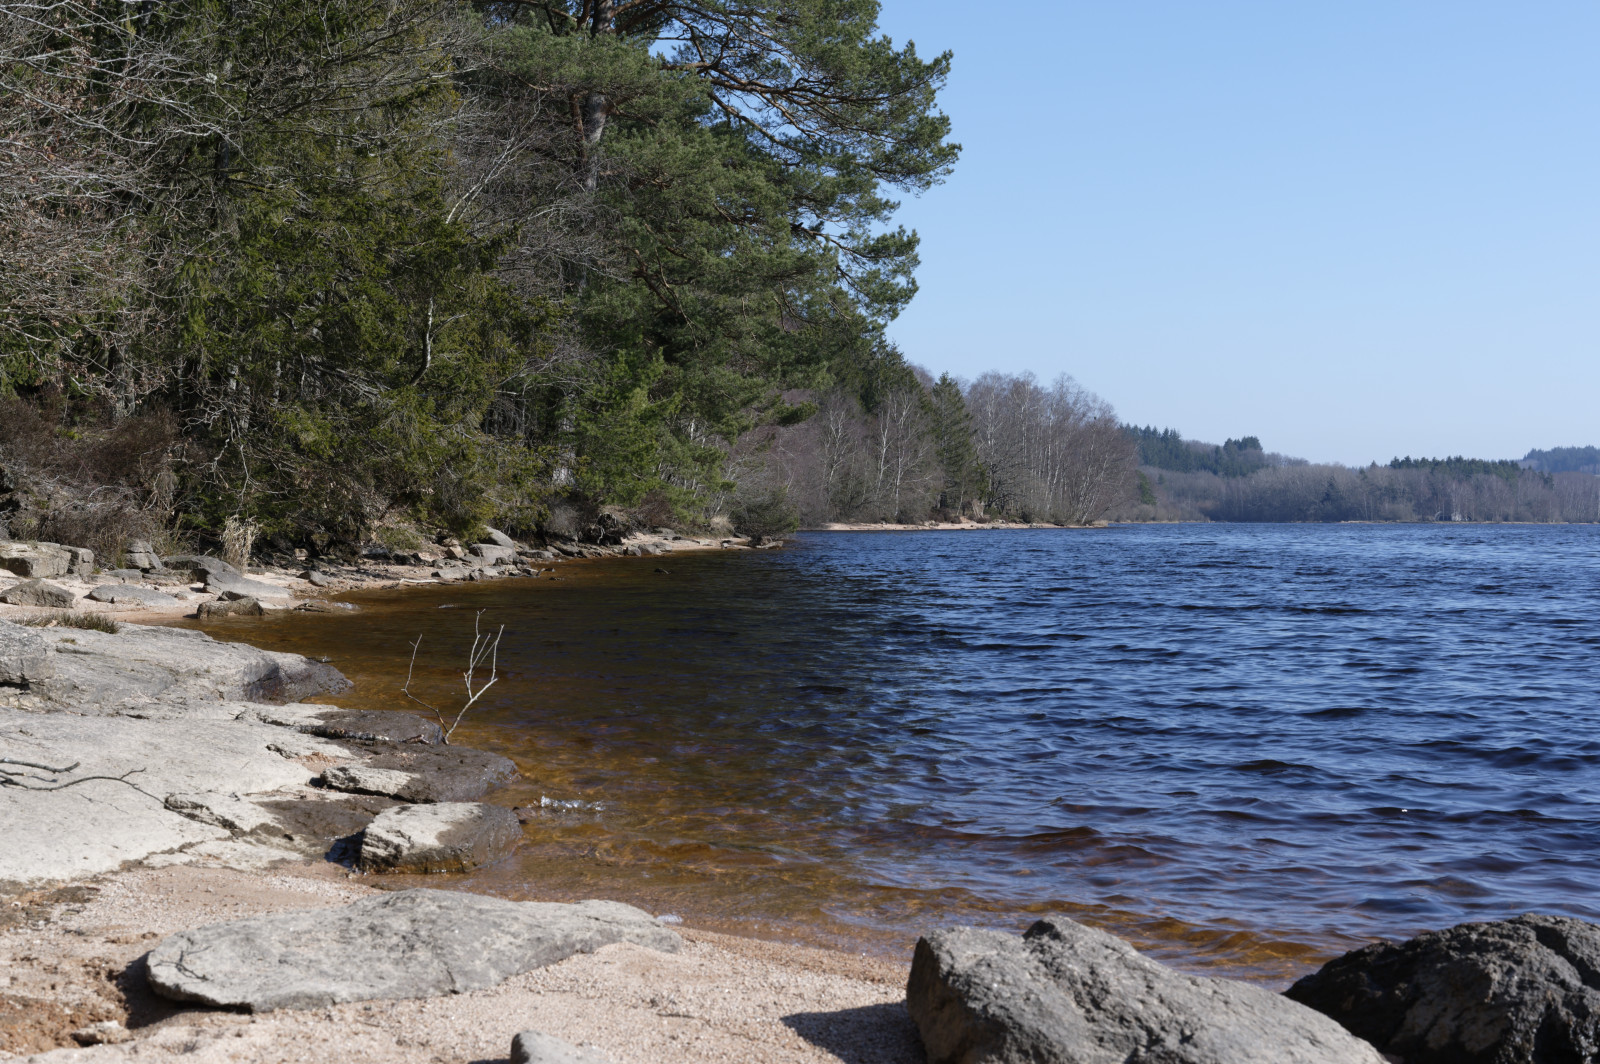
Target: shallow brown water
x,y
1243,748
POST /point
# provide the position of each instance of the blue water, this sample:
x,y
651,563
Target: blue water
x,y
1249,745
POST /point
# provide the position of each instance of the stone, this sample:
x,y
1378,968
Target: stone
x,y
141,555
80,561
1521,991
233,586
199,563
101,673
364,779
498,538
35,560
316,579
448,837
164,577
98,826
37,593
228,811
408,944
535,1047
132,595
24,655
493,554
240,607
373,725
431,773
104,1033
1064,992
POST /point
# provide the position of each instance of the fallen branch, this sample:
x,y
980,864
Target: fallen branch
x,y
484,647
15,779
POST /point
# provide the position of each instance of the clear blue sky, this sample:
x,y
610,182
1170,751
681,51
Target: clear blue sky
x,y
1354,229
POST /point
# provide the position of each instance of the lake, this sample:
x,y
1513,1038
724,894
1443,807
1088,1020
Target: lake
x,y
1240,746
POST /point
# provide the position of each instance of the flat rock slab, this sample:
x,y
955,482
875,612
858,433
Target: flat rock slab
x,y
447,837
426,773
94,827
37,593
1522,991
233,586
104,673
1067,994
375,725
132,594
410,944
536,1047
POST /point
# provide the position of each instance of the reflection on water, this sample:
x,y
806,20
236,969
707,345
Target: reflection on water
x,y
1241,746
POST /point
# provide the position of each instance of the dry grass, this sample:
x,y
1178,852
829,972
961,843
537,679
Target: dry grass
x,y
94,622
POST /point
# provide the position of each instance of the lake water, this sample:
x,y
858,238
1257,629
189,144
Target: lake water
x,y
1240,746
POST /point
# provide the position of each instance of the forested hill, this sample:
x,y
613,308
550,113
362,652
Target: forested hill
x,y
1182,479
1564,460
320,268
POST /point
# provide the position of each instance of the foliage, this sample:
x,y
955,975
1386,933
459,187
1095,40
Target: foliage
x,y
766,517
1167,449
1564,460
1459,467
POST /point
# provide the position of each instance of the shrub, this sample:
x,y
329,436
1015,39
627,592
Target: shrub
x,y
770,516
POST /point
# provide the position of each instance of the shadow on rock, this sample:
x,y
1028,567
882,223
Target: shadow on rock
x,y
869,1034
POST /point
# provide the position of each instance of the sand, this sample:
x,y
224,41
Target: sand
x,y
72,958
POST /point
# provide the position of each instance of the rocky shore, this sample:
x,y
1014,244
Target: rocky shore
x,y
194,856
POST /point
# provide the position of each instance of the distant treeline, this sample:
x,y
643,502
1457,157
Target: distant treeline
x,y
913,448
1186,480
1564,460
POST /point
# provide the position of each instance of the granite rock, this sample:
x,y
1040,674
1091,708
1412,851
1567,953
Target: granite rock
x,y
447,837
409,944
1521,991
535,1047
132,595
37,593
1064,993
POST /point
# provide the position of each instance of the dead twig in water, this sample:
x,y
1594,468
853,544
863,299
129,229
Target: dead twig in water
x,y
484,647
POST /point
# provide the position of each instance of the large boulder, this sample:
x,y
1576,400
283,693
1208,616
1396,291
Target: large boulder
x,y
1522,991
133,595
35,560
1067,994
24,655
37,593
494,554
448,837
243,607
498,538
409,944
141,555
80,560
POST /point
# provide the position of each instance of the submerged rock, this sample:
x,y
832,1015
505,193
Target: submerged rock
x,y
1522,991
410,944
422,773
449,837
1070,994
37,593
535,1047
242,607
